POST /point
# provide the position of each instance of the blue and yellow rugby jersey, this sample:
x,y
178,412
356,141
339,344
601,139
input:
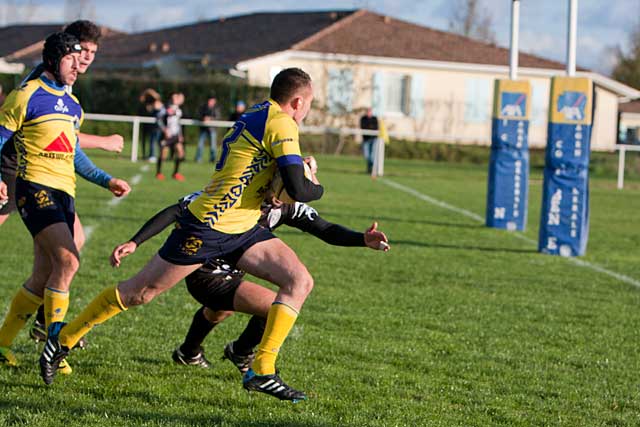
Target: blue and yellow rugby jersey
x,y
263,137
44,120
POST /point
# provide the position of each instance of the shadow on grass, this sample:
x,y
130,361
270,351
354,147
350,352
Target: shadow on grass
x,y
84,217
462,247
330,216
18,411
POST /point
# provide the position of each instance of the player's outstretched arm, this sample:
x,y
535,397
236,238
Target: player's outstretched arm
x,y
305,218
376,239
153,226
113,143
119,187
121,251
92,173
88,170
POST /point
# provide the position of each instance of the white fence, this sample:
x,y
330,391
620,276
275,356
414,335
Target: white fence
x,y
137,120
318,130
622,151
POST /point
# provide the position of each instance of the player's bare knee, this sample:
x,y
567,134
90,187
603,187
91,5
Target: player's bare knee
x,y
216,317
303,284
68,262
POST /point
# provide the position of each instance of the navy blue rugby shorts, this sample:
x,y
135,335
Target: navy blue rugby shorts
x,y
41,206
194,242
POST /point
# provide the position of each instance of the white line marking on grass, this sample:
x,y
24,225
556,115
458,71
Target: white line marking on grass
x,y
88,231
432,200
576,261
115,201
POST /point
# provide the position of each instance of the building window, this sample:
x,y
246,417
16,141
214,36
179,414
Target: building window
x,y
397,93
477,103
340,91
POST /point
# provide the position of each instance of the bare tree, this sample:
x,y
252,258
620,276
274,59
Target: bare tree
x,y
627,69
24,12
136,23
79,9
471,19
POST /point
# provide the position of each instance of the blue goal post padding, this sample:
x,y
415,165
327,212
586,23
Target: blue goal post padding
x,y
507,192
508,180
564,219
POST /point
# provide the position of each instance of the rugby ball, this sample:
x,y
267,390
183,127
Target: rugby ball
x,y
277,186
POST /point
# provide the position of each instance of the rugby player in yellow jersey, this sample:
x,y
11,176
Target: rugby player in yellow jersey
x,y
88,34
44,119
222,222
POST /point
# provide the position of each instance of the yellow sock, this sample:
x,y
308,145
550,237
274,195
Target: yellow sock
x,y
102,308
56,304
22,307
279,323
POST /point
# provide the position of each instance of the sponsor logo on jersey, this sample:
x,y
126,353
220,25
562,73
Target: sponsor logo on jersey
x,y
60,145
42,199
191,246
60,107
281,141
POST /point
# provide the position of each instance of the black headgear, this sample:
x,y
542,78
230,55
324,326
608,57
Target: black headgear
x,y
56,46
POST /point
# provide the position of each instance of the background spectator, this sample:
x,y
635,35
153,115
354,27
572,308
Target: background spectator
x,y
209,111
369,122
150,103
172,138
240,109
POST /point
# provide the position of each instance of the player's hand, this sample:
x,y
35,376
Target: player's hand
x,y
122,251
119,187
3,191
313,165
376,239
113,143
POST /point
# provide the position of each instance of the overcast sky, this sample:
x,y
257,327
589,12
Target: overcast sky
x,y
602,24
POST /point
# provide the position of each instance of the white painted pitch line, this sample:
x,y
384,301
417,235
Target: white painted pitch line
x,y
88,231
432,200
115,201
444,205
135,180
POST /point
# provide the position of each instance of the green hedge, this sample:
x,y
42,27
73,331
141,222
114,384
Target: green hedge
x,y
119,94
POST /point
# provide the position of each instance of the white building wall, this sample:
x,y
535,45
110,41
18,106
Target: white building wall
x,y
446,98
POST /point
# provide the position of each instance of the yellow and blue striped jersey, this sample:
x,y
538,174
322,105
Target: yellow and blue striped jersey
x,y
263,137
45,120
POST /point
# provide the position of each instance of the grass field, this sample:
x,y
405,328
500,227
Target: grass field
x,y
458,325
